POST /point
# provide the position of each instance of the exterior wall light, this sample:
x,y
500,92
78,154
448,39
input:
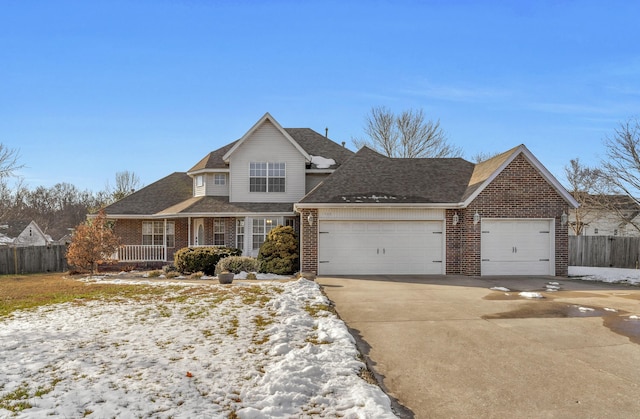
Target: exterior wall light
x,y
454,219
564,218
476,218
310,219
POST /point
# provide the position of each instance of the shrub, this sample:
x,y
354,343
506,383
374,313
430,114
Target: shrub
x,y
205,259
197,275
172,274
154,274
169,268
279,252
237,264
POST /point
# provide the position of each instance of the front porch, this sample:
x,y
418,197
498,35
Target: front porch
x,y
148,241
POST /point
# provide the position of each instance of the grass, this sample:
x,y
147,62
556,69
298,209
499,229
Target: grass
x,y
24,292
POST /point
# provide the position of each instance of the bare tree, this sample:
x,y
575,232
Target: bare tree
x,y
126,183
407,135
8,161
481,156
586,186
621,172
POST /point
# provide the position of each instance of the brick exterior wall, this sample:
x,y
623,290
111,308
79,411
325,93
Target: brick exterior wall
x,y
309,234
519,191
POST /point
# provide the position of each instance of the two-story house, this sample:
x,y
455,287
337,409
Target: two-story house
x,y
355,213
233,197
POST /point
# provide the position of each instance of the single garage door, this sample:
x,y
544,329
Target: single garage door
x,y
380,247
517,247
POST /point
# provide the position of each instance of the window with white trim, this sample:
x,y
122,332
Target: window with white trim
x,y
240,233
218,231
267,177
261,227
200,180
219,179
152,233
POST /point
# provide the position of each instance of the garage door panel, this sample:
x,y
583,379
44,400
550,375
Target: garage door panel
x,y
513,247
385,247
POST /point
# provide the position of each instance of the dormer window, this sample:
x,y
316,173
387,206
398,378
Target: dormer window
x,y
267,177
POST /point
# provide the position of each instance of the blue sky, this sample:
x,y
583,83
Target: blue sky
x,y
92,88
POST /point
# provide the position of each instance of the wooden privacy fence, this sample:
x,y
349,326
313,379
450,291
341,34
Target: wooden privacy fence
x,y
33,259
604,251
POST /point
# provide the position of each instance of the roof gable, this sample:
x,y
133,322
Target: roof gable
x,y
266,118
485,172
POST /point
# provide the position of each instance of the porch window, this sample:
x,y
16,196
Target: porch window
x,y
267,177
262,227
218,231
240,234
152,233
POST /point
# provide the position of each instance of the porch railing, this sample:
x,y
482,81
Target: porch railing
x,y
142,253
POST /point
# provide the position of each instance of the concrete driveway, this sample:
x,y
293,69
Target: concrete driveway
x,y
450,347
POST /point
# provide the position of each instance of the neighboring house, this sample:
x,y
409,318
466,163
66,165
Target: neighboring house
x,y
24,233
360,213
615,221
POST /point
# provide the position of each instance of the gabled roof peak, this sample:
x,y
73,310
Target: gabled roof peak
x,y
265,118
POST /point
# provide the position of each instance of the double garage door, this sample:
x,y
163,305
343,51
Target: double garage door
x,y
380,247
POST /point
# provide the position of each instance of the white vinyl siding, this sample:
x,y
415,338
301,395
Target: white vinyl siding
x,y
266,144
219,187
209,186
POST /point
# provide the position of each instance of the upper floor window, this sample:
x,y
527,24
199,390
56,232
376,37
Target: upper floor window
x,y
219,179
267,177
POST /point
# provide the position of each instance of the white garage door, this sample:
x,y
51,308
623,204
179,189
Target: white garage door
x,y
380,247
517,247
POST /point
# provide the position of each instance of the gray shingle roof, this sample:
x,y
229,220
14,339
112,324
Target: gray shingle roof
x,y
319,145
312,142
166,192
221,204
14,227
369,177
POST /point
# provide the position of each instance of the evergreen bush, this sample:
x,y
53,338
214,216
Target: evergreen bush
x,y
279,253
237,264
204,259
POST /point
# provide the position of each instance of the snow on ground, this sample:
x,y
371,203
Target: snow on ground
x,y
613,275
256,350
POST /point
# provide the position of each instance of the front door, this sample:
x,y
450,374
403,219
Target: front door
x,y
198,232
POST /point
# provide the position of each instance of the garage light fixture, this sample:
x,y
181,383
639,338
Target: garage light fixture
x,y
564,218
310,219
476,218
454,219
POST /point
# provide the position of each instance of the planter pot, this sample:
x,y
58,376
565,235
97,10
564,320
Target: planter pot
x,y
226,278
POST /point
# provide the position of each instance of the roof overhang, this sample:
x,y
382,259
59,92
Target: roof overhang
x,y
203,171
